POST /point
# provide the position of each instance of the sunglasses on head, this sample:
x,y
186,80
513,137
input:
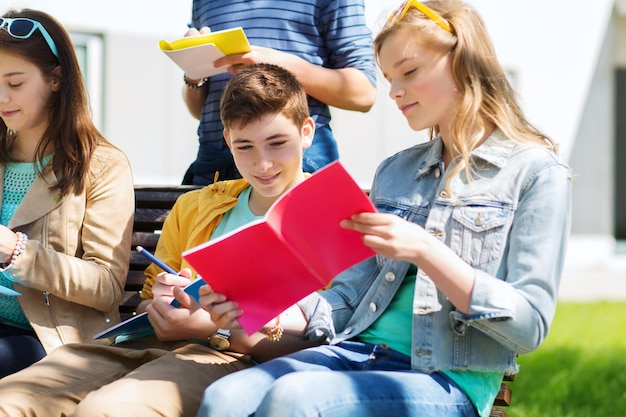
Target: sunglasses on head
x,y
23,28
404,7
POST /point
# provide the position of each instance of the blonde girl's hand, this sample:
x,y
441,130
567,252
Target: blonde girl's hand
x,y
396,238
389,235
223,313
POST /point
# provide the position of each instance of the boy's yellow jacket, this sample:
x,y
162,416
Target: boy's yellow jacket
x,y
191,222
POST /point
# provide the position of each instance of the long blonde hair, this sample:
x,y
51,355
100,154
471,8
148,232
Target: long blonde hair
x,y
487,97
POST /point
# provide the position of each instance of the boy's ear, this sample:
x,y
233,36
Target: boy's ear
x,y
226,137
307,132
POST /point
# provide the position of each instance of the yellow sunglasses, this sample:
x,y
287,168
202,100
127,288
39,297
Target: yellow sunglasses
x,y
404,7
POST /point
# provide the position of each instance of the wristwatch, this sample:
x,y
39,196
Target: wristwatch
x,y
219,341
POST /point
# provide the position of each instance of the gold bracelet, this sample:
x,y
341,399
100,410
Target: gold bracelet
x,y
274,333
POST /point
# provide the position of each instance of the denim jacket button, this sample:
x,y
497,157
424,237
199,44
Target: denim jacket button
x,y
437,173
390,277
443,194
373,307
347,330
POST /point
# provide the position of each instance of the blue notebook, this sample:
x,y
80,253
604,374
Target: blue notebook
x,y
8,291
139,325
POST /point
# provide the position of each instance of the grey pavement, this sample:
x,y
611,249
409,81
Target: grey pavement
x,y
593,271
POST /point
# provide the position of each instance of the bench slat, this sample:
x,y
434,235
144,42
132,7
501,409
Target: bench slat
x,y
498,412
503,399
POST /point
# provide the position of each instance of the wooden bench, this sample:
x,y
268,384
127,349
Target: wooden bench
x,y
152,205
503,399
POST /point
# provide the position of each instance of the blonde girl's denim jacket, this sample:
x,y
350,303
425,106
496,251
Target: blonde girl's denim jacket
x,y
510,223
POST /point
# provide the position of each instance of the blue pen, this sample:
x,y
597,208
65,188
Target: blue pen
x,y
156,260
190,26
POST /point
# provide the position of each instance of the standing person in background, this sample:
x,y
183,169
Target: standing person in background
x,y
471,235
67,198
324,43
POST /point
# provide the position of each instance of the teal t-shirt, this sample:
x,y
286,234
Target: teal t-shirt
x,y
237,216
18,178
391,329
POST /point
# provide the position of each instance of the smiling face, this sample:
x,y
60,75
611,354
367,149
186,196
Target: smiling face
x,y
421,82
24,96
268,154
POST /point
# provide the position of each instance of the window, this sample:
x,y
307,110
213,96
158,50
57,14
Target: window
x,y
90,52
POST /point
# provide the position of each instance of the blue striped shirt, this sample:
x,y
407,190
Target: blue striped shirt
x,y
329,33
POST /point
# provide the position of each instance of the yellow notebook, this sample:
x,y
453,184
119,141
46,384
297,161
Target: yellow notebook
x,y
195,54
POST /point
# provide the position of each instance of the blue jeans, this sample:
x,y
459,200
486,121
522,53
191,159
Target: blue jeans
x,y
19,348
369,380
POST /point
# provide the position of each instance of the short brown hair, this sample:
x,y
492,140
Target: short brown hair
x,y
261,89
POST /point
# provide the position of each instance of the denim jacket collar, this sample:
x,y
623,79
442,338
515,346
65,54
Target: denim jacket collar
x,y
496,150
431,158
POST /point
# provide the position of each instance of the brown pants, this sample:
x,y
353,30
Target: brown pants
x,y
144,378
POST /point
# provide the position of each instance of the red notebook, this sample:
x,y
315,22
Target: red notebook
x,y
296,249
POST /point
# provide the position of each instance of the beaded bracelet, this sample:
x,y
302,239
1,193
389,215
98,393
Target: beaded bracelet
x,y
20,246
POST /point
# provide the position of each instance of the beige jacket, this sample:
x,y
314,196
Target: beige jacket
x,y
73,270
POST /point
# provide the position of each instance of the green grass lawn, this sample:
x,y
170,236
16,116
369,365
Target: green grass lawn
x,y
580,370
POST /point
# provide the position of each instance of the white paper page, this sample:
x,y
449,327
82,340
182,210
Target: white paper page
x,y
197,61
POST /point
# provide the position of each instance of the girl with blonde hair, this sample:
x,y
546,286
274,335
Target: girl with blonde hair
x,y
470,237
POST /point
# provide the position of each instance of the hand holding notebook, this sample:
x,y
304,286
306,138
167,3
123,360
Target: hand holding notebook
x,y
295,250
195,55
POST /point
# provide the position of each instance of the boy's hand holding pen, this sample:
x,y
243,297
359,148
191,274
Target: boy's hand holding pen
x,y
164,287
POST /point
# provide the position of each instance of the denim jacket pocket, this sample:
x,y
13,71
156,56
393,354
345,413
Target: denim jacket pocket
x,y
479,233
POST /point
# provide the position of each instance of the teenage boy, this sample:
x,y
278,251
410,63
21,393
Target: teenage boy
x,y
267,127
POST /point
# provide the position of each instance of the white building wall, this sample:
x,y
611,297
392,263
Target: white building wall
x,y
554,58
551,54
